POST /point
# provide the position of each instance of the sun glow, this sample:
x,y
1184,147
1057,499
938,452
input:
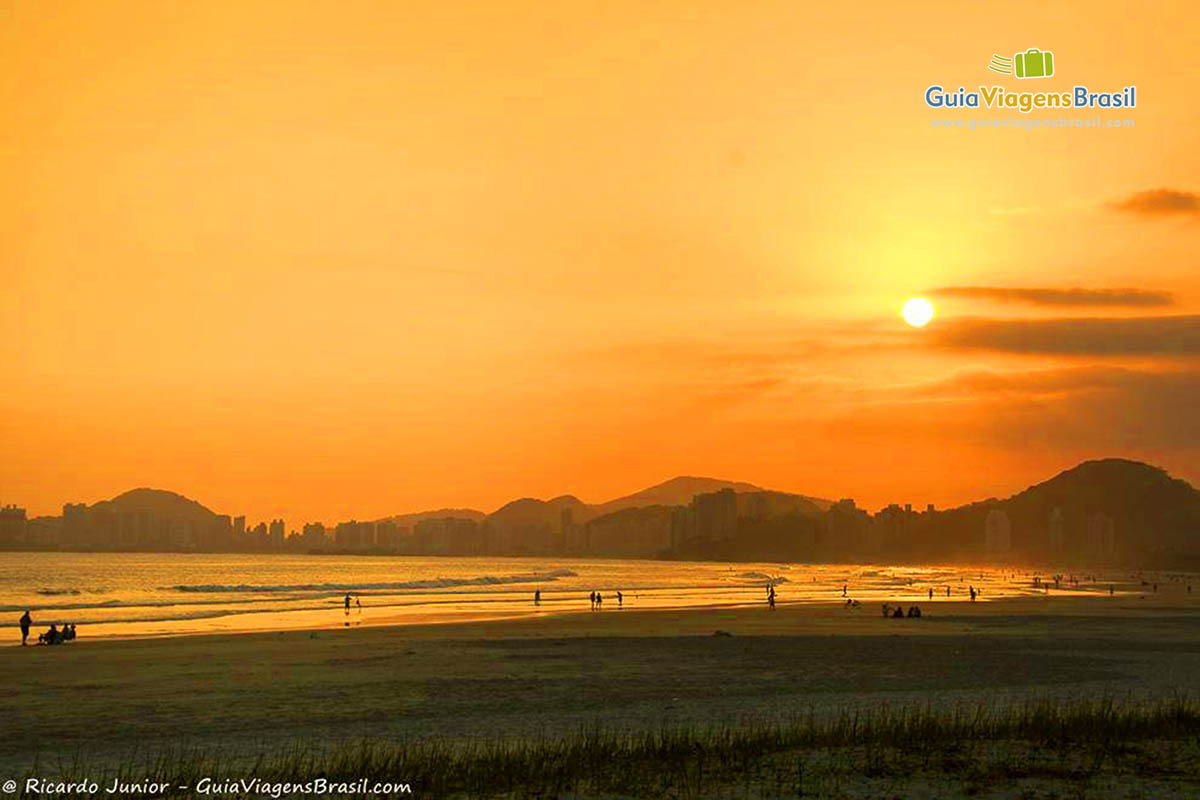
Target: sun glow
x,y
917,312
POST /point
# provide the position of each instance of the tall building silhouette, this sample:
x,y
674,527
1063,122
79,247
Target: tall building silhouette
x,y
997,532
12,526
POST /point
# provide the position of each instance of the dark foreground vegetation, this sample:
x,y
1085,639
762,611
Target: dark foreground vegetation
x,y
1104,748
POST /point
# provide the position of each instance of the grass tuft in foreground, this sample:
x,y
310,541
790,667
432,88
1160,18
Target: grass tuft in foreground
x,y
1037,749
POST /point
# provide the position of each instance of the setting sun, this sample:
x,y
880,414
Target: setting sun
x,y
917,312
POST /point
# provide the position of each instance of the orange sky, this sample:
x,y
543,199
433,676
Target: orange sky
x,y
325,260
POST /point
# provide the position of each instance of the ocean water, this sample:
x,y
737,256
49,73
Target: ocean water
x,y
146,594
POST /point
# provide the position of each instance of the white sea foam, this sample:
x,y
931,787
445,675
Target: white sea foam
x,y
432,583
762,576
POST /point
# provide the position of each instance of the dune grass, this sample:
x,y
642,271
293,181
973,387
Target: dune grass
x,y
976,747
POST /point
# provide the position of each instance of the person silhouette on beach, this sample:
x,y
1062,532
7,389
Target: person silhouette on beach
x,y
347,602
930,592
26,621
972,588
843,590
358,602
620,599
947,591
537,597
592,597
599,601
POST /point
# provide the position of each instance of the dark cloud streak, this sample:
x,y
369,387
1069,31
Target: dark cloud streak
x,y
1040,296
1158,202
1163,337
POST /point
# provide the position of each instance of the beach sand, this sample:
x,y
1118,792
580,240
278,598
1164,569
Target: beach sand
x,y
106,700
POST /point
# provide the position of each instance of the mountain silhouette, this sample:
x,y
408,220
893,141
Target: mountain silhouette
x,y
159,502
1105,511
1150,509
440,513
677,491
530,509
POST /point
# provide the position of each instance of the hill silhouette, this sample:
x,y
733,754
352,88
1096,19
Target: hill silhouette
x,y
1106,511
1151,510
677,491
160,503
530,510
440,513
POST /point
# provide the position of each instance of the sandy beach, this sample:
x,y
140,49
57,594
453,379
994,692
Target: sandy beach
x,y
108,700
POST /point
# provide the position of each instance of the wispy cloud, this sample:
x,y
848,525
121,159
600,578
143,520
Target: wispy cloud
x,y
1042,296
1032,383
1164,337
1159,202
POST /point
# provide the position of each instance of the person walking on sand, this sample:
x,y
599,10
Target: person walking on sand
x,y
930,592
358,602
537,597
26,621
972,588
620,599
347,602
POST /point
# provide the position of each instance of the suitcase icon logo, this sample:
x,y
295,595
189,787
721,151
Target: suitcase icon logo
x,y
1033,63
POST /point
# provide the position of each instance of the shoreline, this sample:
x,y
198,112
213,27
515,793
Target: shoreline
x,y
152,597
790,617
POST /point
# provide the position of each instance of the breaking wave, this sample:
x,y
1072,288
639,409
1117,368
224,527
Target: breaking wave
x,y
762,576
432,583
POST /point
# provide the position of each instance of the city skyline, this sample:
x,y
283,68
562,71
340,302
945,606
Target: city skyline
x,y
1106,511
467,509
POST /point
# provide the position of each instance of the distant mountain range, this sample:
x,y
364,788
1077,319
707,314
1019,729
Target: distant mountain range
x,y
677,491
1111,509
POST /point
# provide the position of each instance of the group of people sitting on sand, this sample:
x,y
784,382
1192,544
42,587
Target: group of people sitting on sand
x,y
55,636
898,611
52,636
